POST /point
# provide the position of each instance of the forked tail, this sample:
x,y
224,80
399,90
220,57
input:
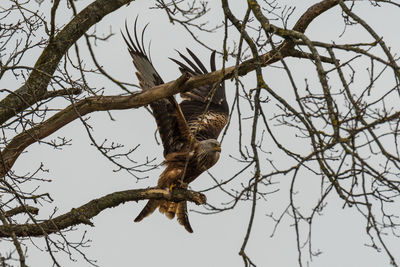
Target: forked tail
x,y
170,209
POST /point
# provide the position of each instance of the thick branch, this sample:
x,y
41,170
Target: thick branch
x,y
312,13
85,212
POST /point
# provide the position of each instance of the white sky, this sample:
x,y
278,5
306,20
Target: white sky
x,y
79,173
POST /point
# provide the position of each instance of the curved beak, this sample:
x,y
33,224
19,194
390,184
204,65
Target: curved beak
x,y
218,148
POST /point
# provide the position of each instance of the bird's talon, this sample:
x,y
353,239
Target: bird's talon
x,y
171,187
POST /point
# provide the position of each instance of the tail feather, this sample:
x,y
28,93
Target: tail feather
x,y
150,207
165,209
170,209
181,215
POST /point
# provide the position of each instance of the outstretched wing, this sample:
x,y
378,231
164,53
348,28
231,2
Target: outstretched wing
x,y
172,126
206,110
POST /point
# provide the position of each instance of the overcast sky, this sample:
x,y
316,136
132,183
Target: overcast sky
x,y
79,173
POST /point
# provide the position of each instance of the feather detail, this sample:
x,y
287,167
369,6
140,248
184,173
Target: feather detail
x,y
169,209
181,215
171,123
204,123
164,208
150,207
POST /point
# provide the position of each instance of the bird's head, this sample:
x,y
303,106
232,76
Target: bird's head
x,y
209,153
211,145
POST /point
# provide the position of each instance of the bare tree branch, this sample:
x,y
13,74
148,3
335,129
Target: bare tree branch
x,y
84,213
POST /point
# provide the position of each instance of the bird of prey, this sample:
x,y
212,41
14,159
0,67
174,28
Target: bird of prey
x,y
188,130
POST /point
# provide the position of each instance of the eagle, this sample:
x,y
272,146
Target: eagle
x,y
188,130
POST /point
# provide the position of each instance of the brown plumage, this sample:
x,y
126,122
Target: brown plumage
x,y
188,131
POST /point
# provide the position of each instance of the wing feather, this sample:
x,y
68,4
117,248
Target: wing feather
x,y
183,67
174,131
197,60
212,61
191,64
204,123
